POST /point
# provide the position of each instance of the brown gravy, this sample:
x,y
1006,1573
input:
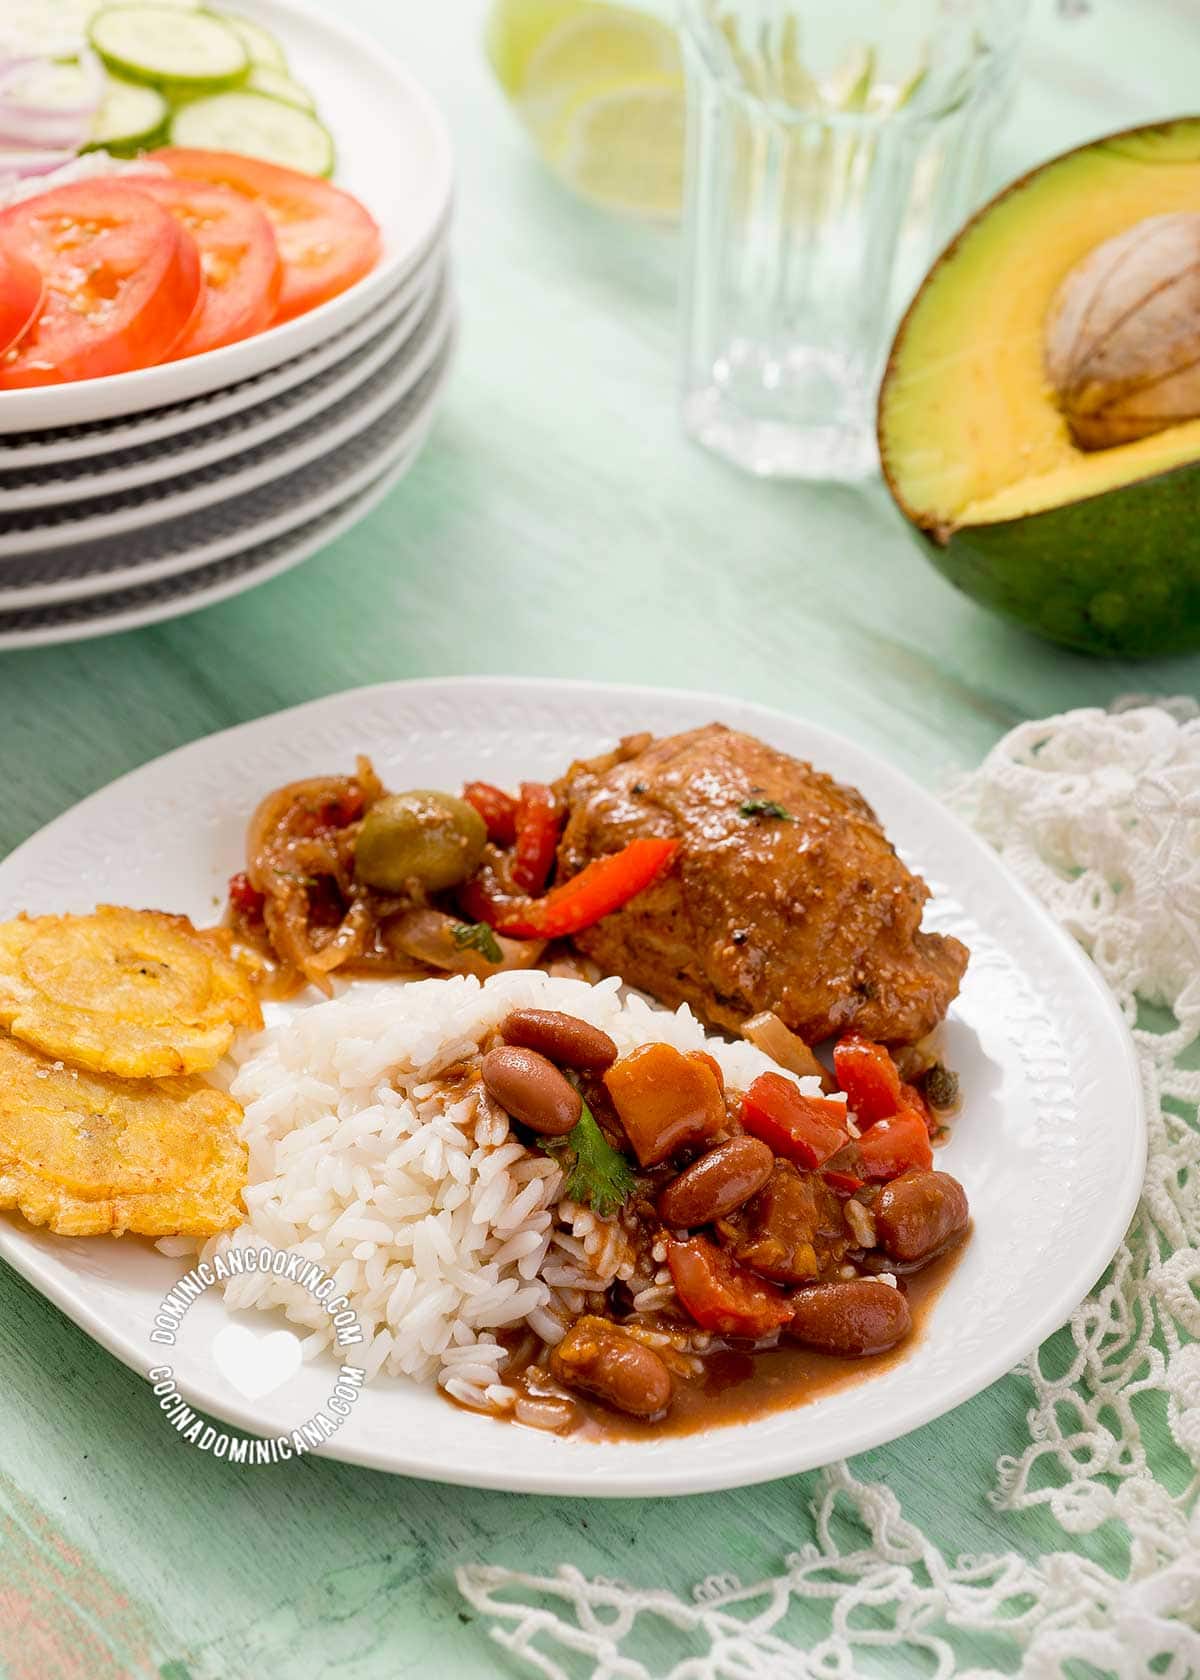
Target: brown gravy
x,y
738,1387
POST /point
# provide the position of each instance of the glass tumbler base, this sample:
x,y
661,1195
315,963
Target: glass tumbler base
x,y
801,415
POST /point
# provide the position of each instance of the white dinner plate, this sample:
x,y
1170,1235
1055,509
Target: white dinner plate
x,y
85,525
203,559
130,609
87,443
62,482
1050,1143
393,153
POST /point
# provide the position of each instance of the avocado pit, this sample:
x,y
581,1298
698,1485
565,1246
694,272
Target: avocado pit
x,y
1123,334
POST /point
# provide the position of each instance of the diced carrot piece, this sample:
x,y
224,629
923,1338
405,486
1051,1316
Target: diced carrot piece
x,y
721,1295
869,1077
664,1099
807,1130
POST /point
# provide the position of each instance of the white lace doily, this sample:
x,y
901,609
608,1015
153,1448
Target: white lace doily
x,y
1099,814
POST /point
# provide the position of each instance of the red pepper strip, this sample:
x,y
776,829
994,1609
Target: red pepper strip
x,y
538,819
497,808
895,1145
721,1295
845,1183
244,896
869,1077
601,887
807,1130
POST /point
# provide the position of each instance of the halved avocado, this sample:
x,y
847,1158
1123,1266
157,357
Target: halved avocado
x,y
1098,550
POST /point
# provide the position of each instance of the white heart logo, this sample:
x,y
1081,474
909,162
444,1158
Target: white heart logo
x,y
255,1364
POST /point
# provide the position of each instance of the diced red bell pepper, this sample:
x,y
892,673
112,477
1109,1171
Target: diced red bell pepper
x,y
497,808
601,887
721,1295
665,1099
244,896
537,820
896,1145
912,1098
807,1130
869,1077
845,1183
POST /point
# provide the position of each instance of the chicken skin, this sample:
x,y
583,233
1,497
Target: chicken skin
x,y
786,894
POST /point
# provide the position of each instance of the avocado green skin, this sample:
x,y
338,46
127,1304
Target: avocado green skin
x,y
1116,574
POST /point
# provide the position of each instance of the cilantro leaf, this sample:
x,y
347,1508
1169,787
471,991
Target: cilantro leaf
x,y
764,808
597,1174
477,936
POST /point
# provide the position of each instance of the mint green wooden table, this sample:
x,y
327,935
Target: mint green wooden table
x,y
557,524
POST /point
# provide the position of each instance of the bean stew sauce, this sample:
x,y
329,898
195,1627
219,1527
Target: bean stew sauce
x,y
779,1242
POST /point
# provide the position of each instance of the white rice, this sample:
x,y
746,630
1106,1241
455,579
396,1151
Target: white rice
x,y
434,1219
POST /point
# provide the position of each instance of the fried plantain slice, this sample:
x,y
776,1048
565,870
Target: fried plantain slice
x,y
137,993
86,1154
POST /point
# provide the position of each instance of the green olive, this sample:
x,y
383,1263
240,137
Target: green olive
x,y
422,836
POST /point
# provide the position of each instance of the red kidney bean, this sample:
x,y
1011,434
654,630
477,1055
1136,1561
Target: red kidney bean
x,y
532,1090
563,1038
598,1358
851,1318
917,1214
717,1183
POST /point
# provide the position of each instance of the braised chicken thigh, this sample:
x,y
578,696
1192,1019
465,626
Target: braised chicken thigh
x,y
786,894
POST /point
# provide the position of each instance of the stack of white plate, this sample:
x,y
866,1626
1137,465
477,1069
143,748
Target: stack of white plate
x,y
145,495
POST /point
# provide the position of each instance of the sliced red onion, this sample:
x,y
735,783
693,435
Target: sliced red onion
x,y
34,110
37,136
23,135
32,163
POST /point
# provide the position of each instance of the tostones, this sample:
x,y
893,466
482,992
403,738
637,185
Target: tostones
x,y
86,1154
137,993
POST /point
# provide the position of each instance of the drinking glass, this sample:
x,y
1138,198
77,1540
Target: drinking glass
x,y
831,150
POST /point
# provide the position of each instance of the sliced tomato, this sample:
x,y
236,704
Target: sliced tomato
x,y
239,255
122,280
21,292
326,239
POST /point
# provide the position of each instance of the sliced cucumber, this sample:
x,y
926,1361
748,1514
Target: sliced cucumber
x,y
153,43
257,124
277,84
261,47
131,115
